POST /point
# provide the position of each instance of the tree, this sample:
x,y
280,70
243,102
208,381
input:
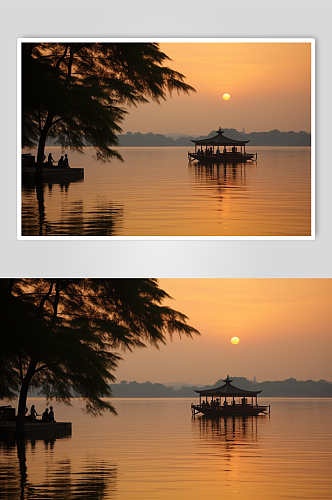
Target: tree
x,y
62,335
75,92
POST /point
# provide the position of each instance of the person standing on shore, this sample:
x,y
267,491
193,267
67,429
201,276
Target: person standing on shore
x,y
33,413
51,414
50,160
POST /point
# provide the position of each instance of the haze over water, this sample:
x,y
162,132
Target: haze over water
x,y
155,450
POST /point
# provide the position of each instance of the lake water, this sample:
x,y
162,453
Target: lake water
x,y
155,450
156,193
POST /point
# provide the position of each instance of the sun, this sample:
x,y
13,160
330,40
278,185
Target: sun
x,y
226,97
235,340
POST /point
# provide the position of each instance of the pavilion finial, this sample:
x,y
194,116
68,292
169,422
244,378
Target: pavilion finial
x,y
228,380
219,131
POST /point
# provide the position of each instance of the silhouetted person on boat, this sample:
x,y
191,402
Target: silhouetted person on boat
x,y
65,162
50,160
61,162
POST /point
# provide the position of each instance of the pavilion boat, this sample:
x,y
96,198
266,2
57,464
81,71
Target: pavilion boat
x,y
220,149
215,403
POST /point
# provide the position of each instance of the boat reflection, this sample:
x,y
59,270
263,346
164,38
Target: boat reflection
x,y
222,175
230,435
35,474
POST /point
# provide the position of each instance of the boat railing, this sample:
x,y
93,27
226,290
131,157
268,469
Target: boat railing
x,y
228,154
237,405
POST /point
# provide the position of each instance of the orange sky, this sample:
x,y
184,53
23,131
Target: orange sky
x,y
269,84
284,326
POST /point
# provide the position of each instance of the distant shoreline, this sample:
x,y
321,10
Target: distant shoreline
x,y
290,388
273,138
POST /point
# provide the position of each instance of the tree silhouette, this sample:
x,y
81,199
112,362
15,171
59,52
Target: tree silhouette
x,y
62,335
75,92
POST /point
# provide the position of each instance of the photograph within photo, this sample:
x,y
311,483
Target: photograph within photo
x,y
139,388
170,139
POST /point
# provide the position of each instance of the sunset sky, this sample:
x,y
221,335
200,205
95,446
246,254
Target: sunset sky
x,y
269,85
284,327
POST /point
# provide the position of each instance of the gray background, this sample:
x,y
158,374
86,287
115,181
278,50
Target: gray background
x,y
160,18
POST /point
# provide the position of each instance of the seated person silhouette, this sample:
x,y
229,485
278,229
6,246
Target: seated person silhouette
x,y
45,416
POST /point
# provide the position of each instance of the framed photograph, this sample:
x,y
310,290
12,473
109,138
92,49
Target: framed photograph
x,y
237,406
166,139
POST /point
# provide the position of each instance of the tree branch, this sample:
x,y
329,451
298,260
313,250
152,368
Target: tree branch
x,y
70,62
56,299
61,58
21,369
46,296
56,121
40,368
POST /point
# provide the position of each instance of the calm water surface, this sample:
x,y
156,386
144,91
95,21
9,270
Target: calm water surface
x,y
156,193
155,450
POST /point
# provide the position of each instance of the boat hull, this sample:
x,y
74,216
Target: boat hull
x,y
230,410
217,159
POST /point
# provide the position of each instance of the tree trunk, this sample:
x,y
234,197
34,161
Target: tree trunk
x,y
40,157
20,426
41,147
39,170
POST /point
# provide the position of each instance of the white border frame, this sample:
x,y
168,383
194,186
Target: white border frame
x,y
165,40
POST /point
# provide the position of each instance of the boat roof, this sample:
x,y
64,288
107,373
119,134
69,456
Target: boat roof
x,y
227,390
219,140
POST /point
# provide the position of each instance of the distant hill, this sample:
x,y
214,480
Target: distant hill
x,y
289,388
178,385
149,140
271,138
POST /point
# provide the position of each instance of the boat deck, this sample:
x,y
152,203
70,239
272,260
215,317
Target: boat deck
x,y
230,410
36,430
222,157
54,174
